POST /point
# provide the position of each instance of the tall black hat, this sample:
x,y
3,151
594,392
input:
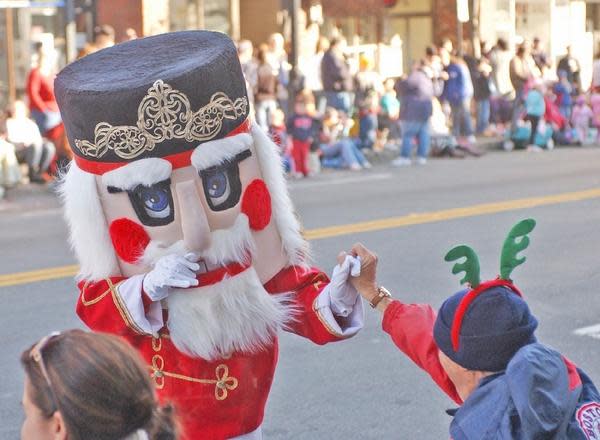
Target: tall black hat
x,y
159,96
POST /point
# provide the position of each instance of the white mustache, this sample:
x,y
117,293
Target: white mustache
x,y
235,244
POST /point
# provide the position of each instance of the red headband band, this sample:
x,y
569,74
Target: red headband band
x,y
464,304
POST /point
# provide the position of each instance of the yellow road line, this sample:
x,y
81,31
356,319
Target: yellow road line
x,y
450,214
53,273
355,228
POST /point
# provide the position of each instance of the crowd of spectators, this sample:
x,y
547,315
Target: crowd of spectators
x,y
334,113
446,101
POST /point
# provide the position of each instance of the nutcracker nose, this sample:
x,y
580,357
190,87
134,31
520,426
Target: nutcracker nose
x,y
194,225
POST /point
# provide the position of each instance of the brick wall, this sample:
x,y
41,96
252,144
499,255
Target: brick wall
x,y
258,19
121,15
445,22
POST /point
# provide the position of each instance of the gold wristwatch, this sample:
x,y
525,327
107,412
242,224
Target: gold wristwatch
x,y
382,292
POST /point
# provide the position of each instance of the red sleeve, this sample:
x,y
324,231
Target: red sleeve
x,y
34,85
305,284
102,309
411,329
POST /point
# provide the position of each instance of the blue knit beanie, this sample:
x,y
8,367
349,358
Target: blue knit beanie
x,y
494,327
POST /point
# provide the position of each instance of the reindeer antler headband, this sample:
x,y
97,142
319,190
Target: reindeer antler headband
x,y
516,241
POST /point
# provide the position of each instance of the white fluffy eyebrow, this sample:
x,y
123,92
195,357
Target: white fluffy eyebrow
x,y
213,153
145,172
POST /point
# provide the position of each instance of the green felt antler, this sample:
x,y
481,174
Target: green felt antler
x,y
516,241
470,266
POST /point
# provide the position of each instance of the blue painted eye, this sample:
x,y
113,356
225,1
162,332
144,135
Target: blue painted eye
x,y
216,185
156,202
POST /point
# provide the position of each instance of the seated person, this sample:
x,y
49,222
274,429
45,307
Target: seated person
x,y
81,385
31,148
337,149
481,350
10,174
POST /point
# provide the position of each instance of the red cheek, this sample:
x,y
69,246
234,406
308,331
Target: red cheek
x,y
256,204
129,239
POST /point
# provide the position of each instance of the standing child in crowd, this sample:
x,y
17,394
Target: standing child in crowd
x,y
301,126
390,111
581,118
535,109
278,133
562,90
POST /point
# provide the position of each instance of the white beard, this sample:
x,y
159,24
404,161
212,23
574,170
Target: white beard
x,y
237,314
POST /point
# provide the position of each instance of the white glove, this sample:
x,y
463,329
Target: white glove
x,y
170,271
342,293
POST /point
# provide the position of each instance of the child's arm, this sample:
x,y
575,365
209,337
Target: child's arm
x,y
411,329
409,325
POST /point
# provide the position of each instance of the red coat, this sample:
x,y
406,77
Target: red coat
x,y
217,399
40,90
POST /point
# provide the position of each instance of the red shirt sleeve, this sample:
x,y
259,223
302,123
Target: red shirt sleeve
x,y
305,285
34,86
101,308
411,329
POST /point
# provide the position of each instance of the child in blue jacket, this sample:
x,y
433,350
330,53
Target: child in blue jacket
x,y
535,108
481,350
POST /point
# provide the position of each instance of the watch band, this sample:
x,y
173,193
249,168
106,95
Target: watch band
x,y
382,292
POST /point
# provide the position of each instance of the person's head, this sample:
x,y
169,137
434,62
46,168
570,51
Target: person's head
x,y
569,51
562,75
538,84
130,34
389,85
245,50
365,62
263,54
537,44
447,45
304,103
322,45
331,116
478,330
276,43
581,100
18,110
502,44
430,52
278,118
81,385
493,328
338,45
104,36
44,55
521,50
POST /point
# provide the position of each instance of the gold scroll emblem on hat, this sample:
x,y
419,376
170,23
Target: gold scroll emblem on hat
x,y
164,113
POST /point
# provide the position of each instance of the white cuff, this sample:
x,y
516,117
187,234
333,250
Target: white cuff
x,y
131,292
343,327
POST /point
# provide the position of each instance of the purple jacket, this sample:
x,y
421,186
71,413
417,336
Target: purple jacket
x,y
416,94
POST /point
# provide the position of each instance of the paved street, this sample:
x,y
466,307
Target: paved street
x,y
364,388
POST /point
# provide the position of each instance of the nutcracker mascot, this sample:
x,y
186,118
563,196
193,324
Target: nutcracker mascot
x,y
185,234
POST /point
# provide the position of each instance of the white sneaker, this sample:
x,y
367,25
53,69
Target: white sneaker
x,y
367,165
401,161
471,139
421,161
534,148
